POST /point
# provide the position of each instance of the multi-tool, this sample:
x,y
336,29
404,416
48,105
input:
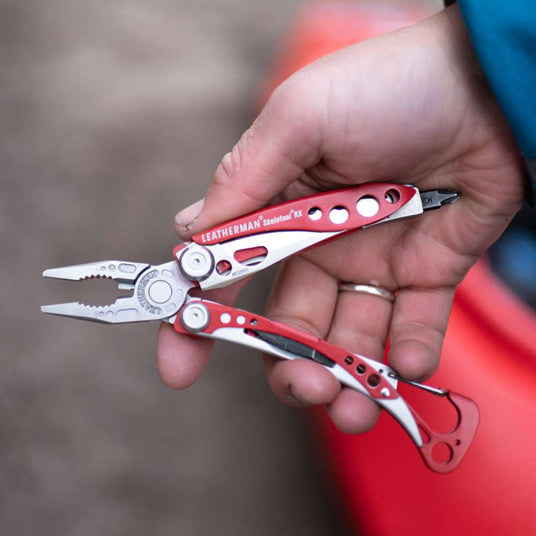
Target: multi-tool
x,y
239,248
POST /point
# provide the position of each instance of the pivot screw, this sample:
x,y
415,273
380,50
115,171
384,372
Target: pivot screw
x,y
195,317
196,263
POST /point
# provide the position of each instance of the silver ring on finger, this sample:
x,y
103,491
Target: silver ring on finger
x,y
371,290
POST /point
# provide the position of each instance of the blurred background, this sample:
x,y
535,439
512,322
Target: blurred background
x,y
113,117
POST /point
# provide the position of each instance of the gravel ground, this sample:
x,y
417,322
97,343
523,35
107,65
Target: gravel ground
x,y
113,116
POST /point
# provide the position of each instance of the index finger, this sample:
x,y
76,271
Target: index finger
x,y
272,153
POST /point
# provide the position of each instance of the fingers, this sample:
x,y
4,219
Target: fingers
x,y
303,297
353,412
307,298
360,325
417,330
300,383
181,358
273,152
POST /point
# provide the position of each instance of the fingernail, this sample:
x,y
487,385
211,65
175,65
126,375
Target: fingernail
x,y
187,216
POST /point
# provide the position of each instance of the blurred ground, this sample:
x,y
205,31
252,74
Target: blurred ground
x,y
113,117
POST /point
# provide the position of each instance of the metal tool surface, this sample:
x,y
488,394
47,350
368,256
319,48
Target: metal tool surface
x,y
242,247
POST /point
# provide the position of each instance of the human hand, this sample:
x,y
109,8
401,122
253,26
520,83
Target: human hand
x,y
411,107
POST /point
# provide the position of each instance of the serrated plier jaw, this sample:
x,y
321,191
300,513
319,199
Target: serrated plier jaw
x,y
158,291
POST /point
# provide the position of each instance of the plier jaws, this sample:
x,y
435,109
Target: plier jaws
x,y
121,271
158,291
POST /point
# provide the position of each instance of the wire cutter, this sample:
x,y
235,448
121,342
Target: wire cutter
x,y
239,248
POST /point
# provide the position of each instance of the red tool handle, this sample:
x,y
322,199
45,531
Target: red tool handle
x,y
443,452
222,318
336,210
222,322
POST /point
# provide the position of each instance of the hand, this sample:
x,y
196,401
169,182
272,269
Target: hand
x,y
409,106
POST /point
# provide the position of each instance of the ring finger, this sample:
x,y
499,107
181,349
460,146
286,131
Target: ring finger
x,y
360,325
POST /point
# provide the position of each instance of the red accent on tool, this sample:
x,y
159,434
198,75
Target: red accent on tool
x,y
451,445
336,210
237,318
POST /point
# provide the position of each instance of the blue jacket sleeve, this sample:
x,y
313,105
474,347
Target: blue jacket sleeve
x,y
503,34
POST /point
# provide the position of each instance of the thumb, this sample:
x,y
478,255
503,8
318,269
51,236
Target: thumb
x,y
272,153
